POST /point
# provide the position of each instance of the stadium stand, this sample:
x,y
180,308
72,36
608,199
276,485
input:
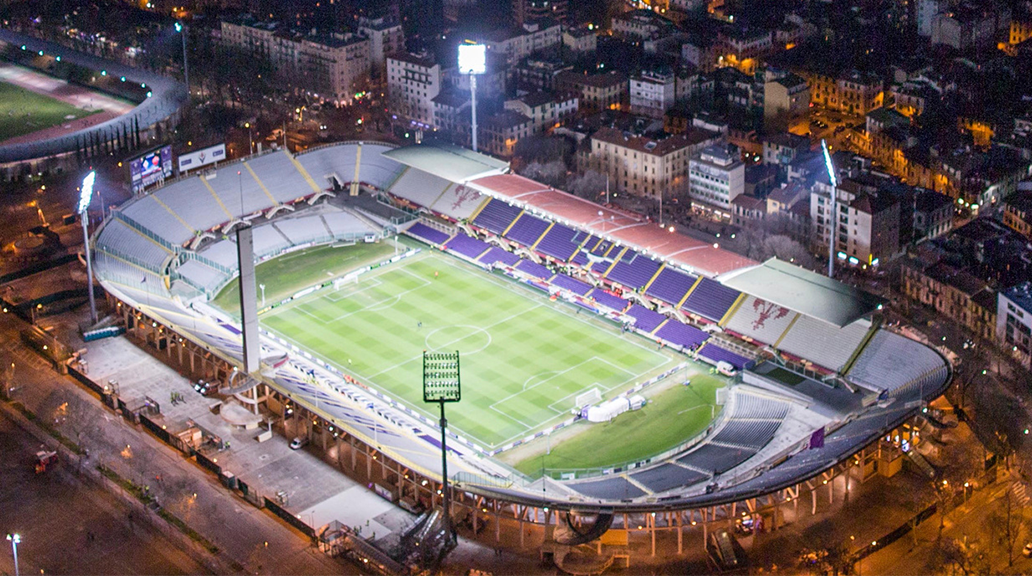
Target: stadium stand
x,y
376,169
419,187
468,247
754,406
201,276
895,364
117,270
572,284
222,252
667,477
608,300
344,225
338,162
534,269
645,319
634,270
497,216
716,459
560,242
496,254
306,228
680,334
122,240
427,234
823,343
710,299
760,320
671,285
267,241
751,433
715,354
526,229
458,202
154,214
609,489
280,177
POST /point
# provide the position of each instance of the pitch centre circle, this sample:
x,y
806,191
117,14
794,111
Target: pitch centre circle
x,y
463,337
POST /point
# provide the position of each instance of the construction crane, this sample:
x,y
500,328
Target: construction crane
x,y
832,221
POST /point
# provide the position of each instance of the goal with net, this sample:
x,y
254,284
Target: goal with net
x,y
587,398
344,281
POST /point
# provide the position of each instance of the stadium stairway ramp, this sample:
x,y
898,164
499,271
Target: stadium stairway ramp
x,y
689,292
304,173
476,211
176,216
645,288
217,199
616,260
921,463
513,223
875,326
260,183
542,236
567,534
661,324
731,311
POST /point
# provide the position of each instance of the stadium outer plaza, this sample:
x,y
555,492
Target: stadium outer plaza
x,y
492,265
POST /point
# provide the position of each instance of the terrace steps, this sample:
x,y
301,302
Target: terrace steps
x,y
645,288
513,223
542,236
689,293
170,211
616,260
859,349
661,324
216,197
795,319
731,311
637,484
304,173
261,184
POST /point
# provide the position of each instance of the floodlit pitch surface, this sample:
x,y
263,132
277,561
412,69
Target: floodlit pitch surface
x,y
524,358
24,112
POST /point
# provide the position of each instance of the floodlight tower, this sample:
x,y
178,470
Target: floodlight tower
x,y
442,384
186,67
832,221
473,61
84,203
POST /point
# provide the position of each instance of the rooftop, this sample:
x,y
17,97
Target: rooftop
x,y
604,80
1020,201
660,147
1021,295
959,279
447,161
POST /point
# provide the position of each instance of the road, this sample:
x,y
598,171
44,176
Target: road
x,y
56,512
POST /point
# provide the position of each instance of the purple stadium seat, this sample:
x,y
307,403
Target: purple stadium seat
x,y
711,299
534,269
645,319
633,270
572,284
681,334
715,354
496,216
496,254
468,247
527,229
671,285
608,300
427,233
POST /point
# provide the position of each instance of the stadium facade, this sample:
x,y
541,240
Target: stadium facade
x,y
819,378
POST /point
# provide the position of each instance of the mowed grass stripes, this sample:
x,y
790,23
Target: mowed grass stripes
x,y
524,359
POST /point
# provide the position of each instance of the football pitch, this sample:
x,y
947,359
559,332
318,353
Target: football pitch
x,y
23,111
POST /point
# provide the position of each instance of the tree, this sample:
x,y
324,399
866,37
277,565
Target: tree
x,y
553,173
1005,524
590,185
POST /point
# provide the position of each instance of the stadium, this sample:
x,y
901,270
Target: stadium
x,y
612,369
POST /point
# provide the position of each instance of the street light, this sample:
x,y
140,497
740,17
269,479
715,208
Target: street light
x,y
84,203
250,136
14,539
186,68
472,61
262,286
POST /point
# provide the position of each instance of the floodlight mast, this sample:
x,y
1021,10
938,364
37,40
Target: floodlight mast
x,y
84,204
472,61
833,225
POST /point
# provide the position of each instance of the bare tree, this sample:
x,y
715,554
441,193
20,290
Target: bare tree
x,y
589,185
552,173
1005,524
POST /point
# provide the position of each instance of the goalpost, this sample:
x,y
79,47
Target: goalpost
x,y
587,398
344,281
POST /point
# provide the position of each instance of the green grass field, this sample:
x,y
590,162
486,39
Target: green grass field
x,y
524,358
23,111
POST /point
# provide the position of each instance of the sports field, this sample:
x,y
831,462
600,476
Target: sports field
x,y
23,111
524,358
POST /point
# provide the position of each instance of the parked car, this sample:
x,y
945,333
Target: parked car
x,y
298,443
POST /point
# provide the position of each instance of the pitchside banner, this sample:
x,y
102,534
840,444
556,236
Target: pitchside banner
x,y
209,155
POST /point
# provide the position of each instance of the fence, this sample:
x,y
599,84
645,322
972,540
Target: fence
x,y
289,518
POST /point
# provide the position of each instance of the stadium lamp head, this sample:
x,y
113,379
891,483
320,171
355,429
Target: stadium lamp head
x,y
179,27
87,191
830,166
472,58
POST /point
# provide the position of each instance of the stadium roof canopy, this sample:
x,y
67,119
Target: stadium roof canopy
x,y
805,292
622,227
447,161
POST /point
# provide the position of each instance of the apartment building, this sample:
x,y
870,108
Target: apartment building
x,y
1014,322
580,40
785,99
645,166
866,223
413,81
499,133
1017,212
716,177
517,43
528,10
850,92
330,68
544,109
652,93
953,292
605,91
640,24
385,37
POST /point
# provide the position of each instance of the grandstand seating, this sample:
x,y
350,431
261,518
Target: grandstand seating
x,y
427,234
608,300
339,161
306,228
823,343
268,240
534,269
680,334
710,299
560,242
496,254
468,247
667,477
634,270
716,459
761,320
716,354
527,229
419,187
377,170
753,406
611,488
572,284
893,363
645,319
201,275
222,252
343,225
496,216
580,258
280,177
124,241
601,248
240,194
458,201
601,267
670,285
754,434
116,270
152,215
